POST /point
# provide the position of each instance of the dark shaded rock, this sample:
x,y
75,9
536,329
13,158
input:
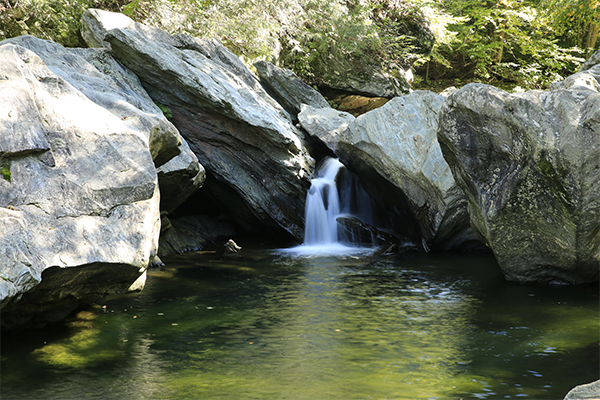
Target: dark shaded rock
x,y
369,231
63,290
179,178
191,233
529,164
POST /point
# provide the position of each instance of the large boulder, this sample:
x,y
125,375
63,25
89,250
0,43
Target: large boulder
x,y
257,166
179,178
79,199
588,391
98,76
103,80
529,164
95,23
289,90
360,75
324,124
394,150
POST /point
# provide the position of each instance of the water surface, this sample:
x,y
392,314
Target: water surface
x,y
267,325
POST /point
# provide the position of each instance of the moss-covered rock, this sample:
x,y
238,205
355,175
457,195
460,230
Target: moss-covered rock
x,y
529,164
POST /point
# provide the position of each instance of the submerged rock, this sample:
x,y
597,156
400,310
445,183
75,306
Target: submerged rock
x,y
231,247
257,165
394,150
529,164
79,202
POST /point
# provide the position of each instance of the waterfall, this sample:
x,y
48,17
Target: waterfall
x,y
323,206
327,200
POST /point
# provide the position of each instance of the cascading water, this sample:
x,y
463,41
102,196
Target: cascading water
x,y
323,206
323,235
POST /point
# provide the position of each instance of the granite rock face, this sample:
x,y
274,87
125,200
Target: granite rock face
x,y
179,178
79,198
589,391
394,150
325,124
257,165
360,75
529,164
289,90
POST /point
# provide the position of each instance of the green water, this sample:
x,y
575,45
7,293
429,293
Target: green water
x,y
265,326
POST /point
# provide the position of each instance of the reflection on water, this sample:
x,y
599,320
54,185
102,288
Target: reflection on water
x,y
271,326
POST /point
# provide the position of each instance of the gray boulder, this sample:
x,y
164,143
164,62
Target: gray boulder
x,y
96,23
589,391
79,202
394,149
360,75
289,90
325,124
590,62
179,178
257,165
97,75
529,164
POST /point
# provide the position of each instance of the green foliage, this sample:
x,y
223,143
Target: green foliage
x,y
530,43
57,20
5,172
165,110
576,22
506,41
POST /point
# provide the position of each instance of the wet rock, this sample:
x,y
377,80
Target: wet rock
x,y
231,247
529,164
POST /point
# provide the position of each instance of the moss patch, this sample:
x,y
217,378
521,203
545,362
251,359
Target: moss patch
x,y
5,172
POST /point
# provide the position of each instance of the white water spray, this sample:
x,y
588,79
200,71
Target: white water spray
x,y
323,235
323,206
